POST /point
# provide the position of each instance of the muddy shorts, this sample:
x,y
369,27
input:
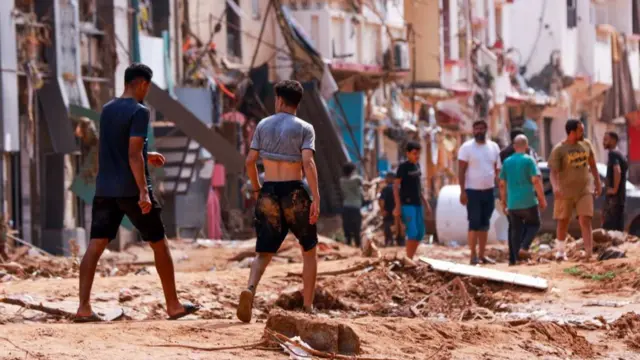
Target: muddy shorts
x,y
107,214
283,206
563,208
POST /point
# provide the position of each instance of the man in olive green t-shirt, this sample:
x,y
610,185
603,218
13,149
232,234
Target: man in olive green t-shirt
x,y
573,174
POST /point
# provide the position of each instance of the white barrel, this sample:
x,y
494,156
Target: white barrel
x,y
452,223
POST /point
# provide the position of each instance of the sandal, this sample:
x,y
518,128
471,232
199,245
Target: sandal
x,y
188,310
87,319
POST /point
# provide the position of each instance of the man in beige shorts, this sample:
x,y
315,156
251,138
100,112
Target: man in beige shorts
x,y
573,176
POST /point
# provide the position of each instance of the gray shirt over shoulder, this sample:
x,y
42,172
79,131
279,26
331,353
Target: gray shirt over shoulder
x,y
282,137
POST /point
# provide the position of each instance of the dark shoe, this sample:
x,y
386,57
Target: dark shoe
x,y
245,306
474,260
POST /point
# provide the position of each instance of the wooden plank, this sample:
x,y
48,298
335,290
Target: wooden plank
x,y
486,273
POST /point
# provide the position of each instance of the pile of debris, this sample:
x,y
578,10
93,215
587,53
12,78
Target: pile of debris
x,y
627,327
607,244
399,287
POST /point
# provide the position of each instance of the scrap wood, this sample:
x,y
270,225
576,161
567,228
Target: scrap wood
x,y
488,274
456,284
261,343
348,270
286,342
29,245
38,307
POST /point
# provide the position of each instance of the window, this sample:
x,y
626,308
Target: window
x,y
636,16
255,9
446,30
572,14
234,34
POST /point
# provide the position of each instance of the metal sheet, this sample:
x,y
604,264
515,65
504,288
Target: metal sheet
x,y
9,120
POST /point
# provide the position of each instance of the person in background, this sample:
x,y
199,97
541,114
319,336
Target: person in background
x,y
520,184
573,166
351,185
409,198
509,150
504,155
387,203
616,193
478,164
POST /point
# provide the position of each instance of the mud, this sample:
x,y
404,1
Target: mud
x,y
627,328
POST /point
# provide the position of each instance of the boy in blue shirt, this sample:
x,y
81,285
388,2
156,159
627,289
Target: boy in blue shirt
x,y
522,194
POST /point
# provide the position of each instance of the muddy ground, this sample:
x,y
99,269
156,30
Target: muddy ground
x,y
399,310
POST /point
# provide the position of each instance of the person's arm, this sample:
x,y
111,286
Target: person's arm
x,y
463,162
137,137
555,164
251,165
309,166
503,188
396,190
617,174
536,179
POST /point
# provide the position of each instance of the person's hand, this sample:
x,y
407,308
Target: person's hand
x,y
155,159
255,194
314,212
397,212
598,188
542,204
611,191
463,198
144,202
384,213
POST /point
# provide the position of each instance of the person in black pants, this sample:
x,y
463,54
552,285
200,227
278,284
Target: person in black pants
x,y
351,185
387,204
504,154
616,195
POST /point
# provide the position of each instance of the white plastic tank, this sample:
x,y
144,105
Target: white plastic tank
x,y
452,223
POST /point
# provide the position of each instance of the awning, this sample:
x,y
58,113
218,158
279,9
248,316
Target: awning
x,y
455,113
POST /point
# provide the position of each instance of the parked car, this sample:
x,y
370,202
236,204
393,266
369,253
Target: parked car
x,y
632,207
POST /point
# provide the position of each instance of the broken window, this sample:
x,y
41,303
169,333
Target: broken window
x,y
572,14
234,34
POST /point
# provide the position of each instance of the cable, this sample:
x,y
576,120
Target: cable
x,y
540,26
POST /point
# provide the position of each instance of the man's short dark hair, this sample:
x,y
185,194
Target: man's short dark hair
x,y
390,175
613,135
480,122
412,145
137,70
571,125
290,91
516,132
348,169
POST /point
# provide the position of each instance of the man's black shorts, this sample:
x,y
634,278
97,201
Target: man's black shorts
x,y
107,214
283,206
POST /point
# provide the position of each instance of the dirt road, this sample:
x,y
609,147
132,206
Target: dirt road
x,y
578,318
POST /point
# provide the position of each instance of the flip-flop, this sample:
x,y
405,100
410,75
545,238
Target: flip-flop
x,y
188,310
245,306
87,319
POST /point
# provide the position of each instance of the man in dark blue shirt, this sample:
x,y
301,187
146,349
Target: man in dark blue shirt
x,y
387,205
123,187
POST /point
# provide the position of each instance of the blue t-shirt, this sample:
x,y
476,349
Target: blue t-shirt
x,y
120,120
517,171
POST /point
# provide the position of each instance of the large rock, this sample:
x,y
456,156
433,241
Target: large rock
x,y
321,334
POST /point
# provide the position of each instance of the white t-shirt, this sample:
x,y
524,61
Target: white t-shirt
x,y
482,160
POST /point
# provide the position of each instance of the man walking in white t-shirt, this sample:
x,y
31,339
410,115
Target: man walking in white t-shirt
x,y
478,164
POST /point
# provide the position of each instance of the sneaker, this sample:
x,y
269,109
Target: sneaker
x,y
245,306
561,256
487,261
474,260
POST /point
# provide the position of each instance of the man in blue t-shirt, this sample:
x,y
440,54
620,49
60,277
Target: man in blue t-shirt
x,y
521,193
123,187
